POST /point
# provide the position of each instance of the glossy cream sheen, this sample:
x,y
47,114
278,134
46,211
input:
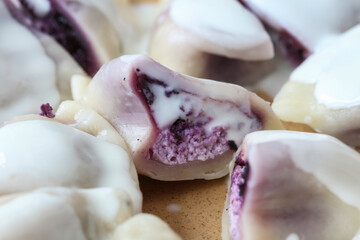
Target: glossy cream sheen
x,y
27,74
335,72
333,163
222,113
238,28
324,18
59,155
73,214
300,186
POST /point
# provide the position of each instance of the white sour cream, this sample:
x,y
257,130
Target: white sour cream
x,y
313,23
27,74
335,72
223,22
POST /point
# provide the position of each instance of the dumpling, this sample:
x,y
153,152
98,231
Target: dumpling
x,y
215,39
305,26
77,214
44,153
324,92
293,185
177,127
58,182
80,27
43,43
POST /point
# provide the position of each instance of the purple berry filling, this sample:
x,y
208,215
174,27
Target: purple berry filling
x,y
293,49
58,24
46,111
239,179
186,139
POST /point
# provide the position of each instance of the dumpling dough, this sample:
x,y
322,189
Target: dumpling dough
x,y
40,51
301,36
324,92
42,153
293,185
196,38
177,127
77,214
145,226
27,74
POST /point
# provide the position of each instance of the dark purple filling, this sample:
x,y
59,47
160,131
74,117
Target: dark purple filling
x,y
244,165
143,88
243,2
62,27
186,139
46,111
239,179
293,49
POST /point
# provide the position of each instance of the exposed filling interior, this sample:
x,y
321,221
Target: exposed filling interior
x,y
191,132
58,24
239,179
188,141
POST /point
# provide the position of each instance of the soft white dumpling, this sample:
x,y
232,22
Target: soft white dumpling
x,y
77,214
197,38
43,43
324,92
304,26
42,153
293,185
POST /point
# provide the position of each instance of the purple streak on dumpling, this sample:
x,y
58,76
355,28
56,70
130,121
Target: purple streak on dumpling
x,y
303,27
292,48
239,178
58,23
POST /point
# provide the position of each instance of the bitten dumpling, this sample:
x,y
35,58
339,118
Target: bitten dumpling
x,y
177,127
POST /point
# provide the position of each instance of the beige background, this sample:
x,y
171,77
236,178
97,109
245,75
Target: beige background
x,y
201,203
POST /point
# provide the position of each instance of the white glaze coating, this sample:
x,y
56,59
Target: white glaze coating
x,y
237,29
223,114
313,23
27,74
333,163
60,213
59,155
225,111
40,7
334,71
